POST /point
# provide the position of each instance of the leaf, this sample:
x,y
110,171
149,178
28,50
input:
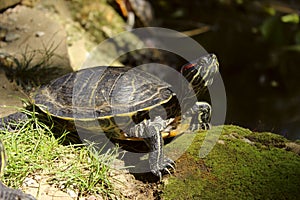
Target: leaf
x,y
297,37
272,30
292,48
271,11
290,18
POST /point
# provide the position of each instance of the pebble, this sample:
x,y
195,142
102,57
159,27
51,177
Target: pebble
x,y
9,37
71,193
221,142
248,141
39,34
30,182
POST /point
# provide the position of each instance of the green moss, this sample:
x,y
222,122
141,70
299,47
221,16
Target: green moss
x,y
242,165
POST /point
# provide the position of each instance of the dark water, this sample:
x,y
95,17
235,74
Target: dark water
x,y
259,64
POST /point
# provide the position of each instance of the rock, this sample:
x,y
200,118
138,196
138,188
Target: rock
x,y
9,37
92,198
30,182
83,34
221,142
39,33
25,28
3,32
71,193
21,25
45,191
3,44
264,166
9,99
8,3
294,147
248,141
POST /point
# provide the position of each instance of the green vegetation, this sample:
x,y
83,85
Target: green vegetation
x,y
33,150
242,165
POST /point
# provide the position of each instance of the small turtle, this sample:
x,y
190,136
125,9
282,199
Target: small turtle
x,y
129,104
7,193
136,10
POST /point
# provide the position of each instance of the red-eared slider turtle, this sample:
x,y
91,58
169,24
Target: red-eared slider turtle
x,y
7,193
136,10
126,104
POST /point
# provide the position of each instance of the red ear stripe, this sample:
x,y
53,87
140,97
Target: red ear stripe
x,y
188,66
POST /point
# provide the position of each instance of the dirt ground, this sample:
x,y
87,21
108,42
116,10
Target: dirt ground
x,y
125,185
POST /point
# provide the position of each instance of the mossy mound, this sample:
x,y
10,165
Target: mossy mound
x,y
242,165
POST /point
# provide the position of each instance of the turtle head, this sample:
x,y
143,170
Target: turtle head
x,y
200,72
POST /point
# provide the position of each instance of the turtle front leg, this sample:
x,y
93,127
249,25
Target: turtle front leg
x,y
200,115
150,131
158,163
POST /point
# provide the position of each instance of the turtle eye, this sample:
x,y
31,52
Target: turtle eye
x,y
188,67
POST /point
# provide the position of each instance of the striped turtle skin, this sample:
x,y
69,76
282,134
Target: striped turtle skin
x,y
7,193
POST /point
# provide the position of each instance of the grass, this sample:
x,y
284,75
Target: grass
x,y
33,150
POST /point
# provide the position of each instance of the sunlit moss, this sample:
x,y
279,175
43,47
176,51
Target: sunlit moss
x,y
242,165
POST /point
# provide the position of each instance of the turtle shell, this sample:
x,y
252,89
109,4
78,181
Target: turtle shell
x,y
116,97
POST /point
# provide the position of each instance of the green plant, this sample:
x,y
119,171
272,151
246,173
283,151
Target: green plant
x,y
33,150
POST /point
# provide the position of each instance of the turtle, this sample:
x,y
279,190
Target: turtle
x,y
137,12
130,104
7,193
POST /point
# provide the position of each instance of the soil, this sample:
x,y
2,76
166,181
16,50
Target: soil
x,y
125,186
10,98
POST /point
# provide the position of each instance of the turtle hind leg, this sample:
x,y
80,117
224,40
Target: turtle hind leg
x,y
200,115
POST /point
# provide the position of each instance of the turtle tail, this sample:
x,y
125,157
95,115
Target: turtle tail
x,y
11,121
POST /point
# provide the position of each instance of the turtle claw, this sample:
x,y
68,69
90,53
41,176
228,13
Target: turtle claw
x,y
200,126
167,170
169,166
163,168
168,163
157,173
